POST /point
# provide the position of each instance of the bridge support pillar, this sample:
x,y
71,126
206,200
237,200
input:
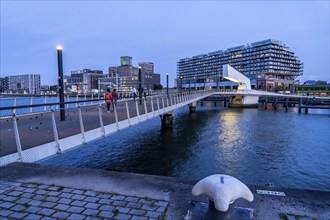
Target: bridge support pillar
x,y
167,119
286,104
299,107
192,107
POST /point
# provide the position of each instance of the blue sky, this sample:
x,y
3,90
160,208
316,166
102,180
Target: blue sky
x,y
94,34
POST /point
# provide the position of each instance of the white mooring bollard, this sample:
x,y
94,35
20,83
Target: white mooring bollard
x,y
222,191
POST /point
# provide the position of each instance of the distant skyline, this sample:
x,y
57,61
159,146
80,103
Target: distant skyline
x,y
95,34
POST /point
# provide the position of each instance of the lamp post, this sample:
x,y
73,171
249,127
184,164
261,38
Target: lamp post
x,y
140,87
181,86
167,84
60,81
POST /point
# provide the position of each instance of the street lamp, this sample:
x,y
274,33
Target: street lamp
x,y
140,87
167,84
60,81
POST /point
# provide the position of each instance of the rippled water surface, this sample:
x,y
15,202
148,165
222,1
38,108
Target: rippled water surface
x,y
256,146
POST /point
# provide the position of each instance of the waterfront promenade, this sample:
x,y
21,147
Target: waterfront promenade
x,y
32,191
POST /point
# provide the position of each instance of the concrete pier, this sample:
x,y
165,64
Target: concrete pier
x,y
32,191
192,107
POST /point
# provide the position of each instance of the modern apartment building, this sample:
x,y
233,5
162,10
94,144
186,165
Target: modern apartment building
x,y
269,64
86,80
25,84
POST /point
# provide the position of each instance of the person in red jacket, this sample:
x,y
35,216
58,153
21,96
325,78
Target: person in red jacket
x,y
108,99
114,98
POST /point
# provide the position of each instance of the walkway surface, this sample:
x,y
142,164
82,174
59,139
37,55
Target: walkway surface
x,y
32,191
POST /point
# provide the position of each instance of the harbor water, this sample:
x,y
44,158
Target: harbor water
x,y
260,147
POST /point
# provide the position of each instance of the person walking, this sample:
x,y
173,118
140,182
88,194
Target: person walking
x,y
134,93
108,99
114,98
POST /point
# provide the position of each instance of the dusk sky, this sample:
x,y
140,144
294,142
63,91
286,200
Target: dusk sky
x,y
95,34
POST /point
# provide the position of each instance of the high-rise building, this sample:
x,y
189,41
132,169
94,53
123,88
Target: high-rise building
x,y
28,83
126,76
3,84
269,64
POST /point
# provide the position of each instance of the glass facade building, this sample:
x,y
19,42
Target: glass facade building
x,y
269,64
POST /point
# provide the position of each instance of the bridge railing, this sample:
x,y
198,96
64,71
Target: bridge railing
x,y
34,136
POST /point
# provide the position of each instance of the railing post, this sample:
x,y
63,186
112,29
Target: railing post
x,y
137,111
67,99
17,138
171,97
145,108
77,101
163,102
81,125
31,103
157,104
167,97
152,106
177,100
128,116
45,102
92,98
101,120
116,116
85,100
57,144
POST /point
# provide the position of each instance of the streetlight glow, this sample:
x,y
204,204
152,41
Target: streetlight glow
x,y
59,47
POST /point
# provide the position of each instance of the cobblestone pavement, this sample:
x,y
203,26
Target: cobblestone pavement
x,y
39,201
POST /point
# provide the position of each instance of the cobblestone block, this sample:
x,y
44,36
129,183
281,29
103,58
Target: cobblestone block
x,y
67,190
161,209
64,201
105,201
41,192
48,204
9,198
103,196
66,195
77,191
53,193
18,208
78,197
15,193
18,215
122,209
149,207
52,199
43,186
153,214
39,197
23,201
122,217
48,218
92,205
61,215
146,201
78,203
91,199
137,212
106,208
119,203
5,213
134,205
76,217
46,211
33,217
131,199
161,203
53,188
118,197
106,214
75,209
33,209
27,195
92,212
29,190
19,188
35,203
90,193
30,185
62,207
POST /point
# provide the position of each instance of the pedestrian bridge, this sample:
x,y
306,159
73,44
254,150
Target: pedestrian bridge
x,y
35,136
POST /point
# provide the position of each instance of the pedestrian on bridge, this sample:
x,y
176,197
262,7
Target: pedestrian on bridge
x,y
108,99
114,98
